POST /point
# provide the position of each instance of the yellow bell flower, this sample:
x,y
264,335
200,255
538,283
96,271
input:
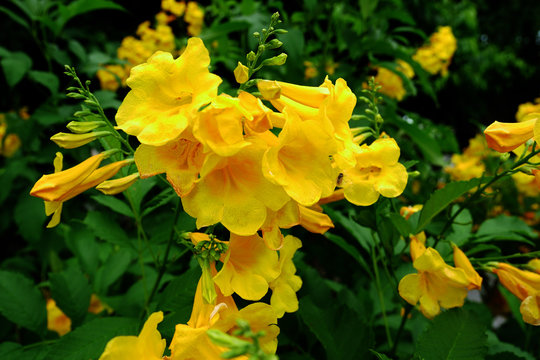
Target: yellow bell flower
x,y
181,160
219,126
12,143
111,77
377,172
241,73
248,267
232,190
525,285
57,321
390,82
116,186
436,285
300,161
285,218
314,220
147,346
527,108
167,94
417,245
505,137
285,286
461,261
258,118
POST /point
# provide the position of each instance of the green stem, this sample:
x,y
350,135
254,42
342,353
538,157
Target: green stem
x,y
381,298
408,309
163,265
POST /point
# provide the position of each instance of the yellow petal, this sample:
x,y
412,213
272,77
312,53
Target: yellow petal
x,y
462,262
505,137
116,186
530,309
409,288
241,73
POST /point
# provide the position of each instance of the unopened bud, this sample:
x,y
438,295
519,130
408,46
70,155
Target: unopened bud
x,y
276,60
250,56
82,127
71,141
274,44
116,186
75,96
241,73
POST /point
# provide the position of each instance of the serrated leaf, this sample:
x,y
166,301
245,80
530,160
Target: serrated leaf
x,y
442,198
71,292
114,204
47,79
30,217
21,302
504,225
164,197
15,66
359,232
400,224
500,349
178,295
89,340
455,334
138,190
105,228
348,248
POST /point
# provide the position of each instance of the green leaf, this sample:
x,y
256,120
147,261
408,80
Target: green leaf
x,y
178,295
30,217
114,204
79,7
116,265
21,302
164,197
401,224
35,352
47,79
106,228
454,334
71,291
498,348
138,190
341,332
503,227
18,19
15,66
360,233
514,303
379,355
442,198
89,340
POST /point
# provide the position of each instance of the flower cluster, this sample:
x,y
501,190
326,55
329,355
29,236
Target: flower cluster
x,y
469,164
436,56
527,108
391,83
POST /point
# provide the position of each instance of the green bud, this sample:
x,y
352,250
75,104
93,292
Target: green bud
x,y
280,31
250,56
275,16
207,282
256,34
91,104
274,44
276,60
72,88
235,352
261,48
221,339
75,95
81,127
379,119
504,156
413,174
83,113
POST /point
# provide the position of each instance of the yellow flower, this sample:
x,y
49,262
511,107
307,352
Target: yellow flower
x,y
219,126
248,267
300,161
116,186
377,172
167,94
285,286
436,284
436,56
313,220
181,160
528,185
258,118
174,7
390,82
112,77
241,73
526,109
232,190
147,346
97,306
505,137
191,342
461,261
408,211
194,16
285,218
417,245
311,71
56,319
525,285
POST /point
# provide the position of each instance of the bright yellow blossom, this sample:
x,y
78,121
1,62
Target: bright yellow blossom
x,y
248,267
147,346
111,77
285,286
314,220
461,261
116,186
11,144
300,161
436,56
505,137
436,285
167,94
241,73
527,108
417,245
534,264
390,82
194,16
176,8
525,285
377,172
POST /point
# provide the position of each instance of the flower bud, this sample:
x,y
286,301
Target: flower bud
x,y
241,73
250,56
81,127
116,186
274,44
71,141
276,60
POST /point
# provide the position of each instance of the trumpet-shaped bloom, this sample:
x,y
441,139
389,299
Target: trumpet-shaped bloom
x,y
248,267
285,286
505,137
377,172
286,217
181,160
219,126
147,346
300,161
166,94
191,342
54,208
526,286
436,284
232,190
314,220
72,141
259,118
417,245
462,262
